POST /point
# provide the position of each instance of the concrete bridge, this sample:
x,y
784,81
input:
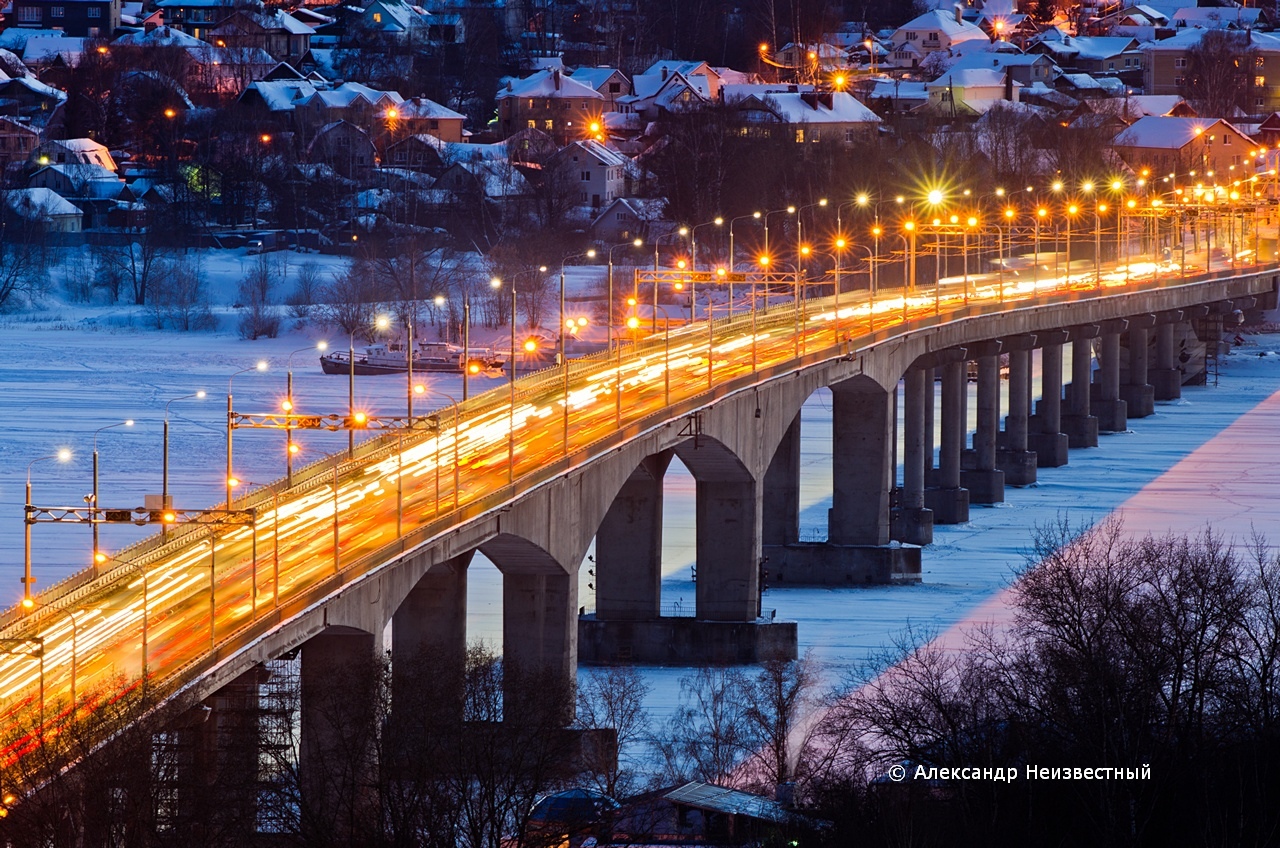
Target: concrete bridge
x,y
531,474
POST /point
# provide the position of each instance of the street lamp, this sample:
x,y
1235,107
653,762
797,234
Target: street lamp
x,y
62,455
289,447
93,498
164,475
693,239
230,479
680,233
637,242
633,322
732,262
421,389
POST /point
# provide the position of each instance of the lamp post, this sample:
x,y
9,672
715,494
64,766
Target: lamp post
x,y
289,447
164,474
421,389
590,254
693,239
1072,209
1098,211
230,479
633,323
1041,214
790,210
93,508
27,602
381,323
732,259
638,242
683,231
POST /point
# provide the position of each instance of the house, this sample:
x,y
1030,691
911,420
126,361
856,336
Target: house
x,y
610,82
1013,28
932,32
45,207
344,147
809,116
713,77
597,173
491,179
663,92
1214,149
1023,68
625,219
17,140
1216,17
352,102
418,115
407,22
74,18
283,37
93,188
43,52
1167,66
195,17
31,100
970,91
419,153
73,151
549,101
1088,54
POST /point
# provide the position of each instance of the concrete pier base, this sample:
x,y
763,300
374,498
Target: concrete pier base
x,y
684,641
986,486
911,525
825,564
1050,448
1140,401
1019,466
1166,383
949,506
1081,430
1112,415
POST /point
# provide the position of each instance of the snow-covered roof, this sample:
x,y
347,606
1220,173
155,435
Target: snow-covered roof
x,y
733,93
678,66
349,93
45,48
1158,105
84,150
971,78
898,90
36,203
996,59
644,209
15,38
496,179
594,77
274,20
793,108
36,87
1214,17
1094,48
945,23
281,95
164,36
596,150
421,107
1166,133
552,84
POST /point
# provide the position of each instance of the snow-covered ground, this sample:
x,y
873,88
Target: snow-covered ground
x,y
66,371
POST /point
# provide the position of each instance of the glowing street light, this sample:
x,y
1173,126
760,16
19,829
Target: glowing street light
x,y
93,498
165,503
63,455
230,477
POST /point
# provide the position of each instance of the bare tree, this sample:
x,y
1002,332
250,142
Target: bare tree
x,y
614,698
259,314
710,730
138,262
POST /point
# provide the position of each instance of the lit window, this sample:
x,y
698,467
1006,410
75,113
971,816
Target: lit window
x,y
1259,81
377,17
550,125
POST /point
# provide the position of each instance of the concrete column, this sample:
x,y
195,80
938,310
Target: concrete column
x,y
1018,463
912,523
1166,377
336,759
1080,426
1045,435
860,458
429,642
729,550
984,481
629,546
1106,402
1138,395
950,502
782,490
539,636
929,442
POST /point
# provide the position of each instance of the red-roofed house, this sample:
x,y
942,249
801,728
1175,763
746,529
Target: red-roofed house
x,y
1214,149
551,102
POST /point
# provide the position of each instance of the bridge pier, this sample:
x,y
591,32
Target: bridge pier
x,y
912,522
781,513
1045,435
629,546
429,647
338,711
1166,377
539,636
948,501
984,481
1014,459
1138,394
1080,426
1110,408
